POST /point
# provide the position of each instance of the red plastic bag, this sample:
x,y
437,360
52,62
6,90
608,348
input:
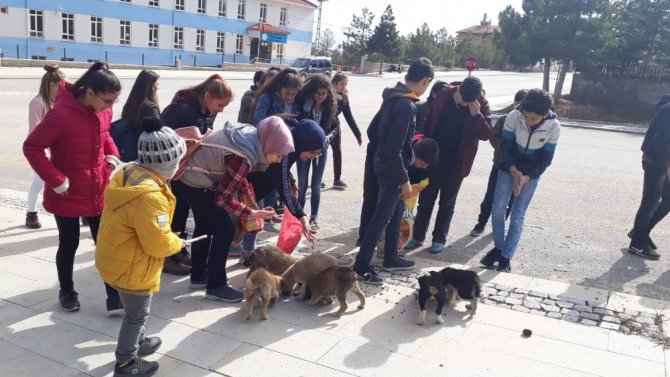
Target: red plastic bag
x,y
289,233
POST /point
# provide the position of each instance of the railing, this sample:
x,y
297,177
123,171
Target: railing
x,y
641,70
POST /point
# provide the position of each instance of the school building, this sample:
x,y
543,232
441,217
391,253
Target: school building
x,y
157,32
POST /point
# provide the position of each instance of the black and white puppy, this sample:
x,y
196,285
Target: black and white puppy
x,y
444,286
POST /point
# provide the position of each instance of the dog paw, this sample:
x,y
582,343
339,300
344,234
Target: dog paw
x,y
248,317
361,306
420,322
336,315
439,319
468,306
264,317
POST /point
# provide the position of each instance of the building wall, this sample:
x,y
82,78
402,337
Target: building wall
x,y
15,40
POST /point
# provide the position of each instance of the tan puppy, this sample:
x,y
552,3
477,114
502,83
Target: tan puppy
x,y
270,258
335,281
308,267
264,286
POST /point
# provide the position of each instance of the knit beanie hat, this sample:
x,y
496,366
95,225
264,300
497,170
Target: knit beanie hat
x,y
159,148
275,136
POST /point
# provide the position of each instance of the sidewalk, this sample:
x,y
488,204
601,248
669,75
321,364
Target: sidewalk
x,y
204,338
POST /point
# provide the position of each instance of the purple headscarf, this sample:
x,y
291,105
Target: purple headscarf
x,y
275,136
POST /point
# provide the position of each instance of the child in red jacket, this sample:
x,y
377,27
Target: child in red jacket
x,y
77,171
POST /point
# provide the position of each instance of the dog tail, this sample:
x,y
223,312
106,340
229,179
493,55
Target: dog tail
x,y
348,262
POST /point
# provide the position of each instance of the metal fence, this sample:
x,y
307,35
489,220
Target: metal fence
x,y
643,70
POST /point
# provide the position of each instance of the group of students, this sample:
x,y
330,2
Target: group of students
x,y
456,117
133,214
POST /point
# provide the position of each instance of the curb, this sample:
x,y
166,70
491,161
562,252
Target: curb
x,y
630,129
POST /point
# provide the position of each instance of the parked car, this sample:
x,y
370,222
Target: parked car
x,y
313,66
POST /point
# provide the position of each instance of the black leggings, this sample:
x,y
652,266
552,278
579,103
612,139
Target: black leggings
x,y
68,242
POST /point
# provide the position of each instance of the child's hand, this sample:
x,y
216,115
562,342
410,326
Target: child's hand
x,y
265,213
287,116
307,231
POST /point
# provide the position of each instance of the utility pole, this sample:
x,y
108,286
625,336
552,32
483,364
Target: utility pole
x,y
317,41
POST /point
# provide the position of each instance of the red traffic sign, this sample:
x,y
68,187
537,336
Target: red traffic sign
x,y
471,63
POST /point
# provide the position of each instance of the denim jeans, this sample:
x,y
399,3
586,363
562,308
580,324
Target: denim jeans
x,y
504,188
387,215
655,203
487,203
136,309
319,164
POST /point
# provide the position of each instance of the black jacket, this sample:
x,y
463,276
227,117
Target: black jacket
x,y
391,132
656,144
185,111
344,107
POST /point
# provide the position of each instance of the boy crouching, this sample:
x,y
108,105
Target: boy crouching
x,y
135,238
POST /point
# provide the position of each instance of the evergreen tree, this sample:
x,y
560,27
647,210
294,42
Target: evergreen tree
x,y
357,35
385,40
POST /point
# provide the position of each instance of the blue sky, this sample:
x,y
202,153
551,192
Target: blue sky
x,y
454,15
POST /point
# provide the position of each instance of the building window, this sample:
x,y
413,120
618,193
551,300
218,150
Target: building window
x,y
220,42
153,35
263,17
280,51
37,23
124,37
239,44
200,40
179,4
222,8
96,29
202,6
241,9
68,26
154,3
283,15
179,38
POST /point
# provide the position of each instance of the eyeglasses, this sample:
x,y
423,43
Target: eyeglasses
x,y
108,102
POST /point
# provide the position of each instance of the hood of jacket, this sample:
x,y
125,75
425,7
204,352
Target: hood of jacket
x,y
308,136
245,138
189,97
399,90
65,98
128,184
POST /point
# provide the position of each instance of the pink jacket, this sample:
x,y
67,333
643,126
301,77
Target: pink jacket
x,y
37,109
79,142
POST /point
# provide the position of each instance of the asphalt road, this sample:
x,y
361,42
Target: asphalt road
x,y
575,227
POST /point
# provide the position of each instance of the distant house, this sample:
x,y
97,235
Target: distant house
x,y
479,34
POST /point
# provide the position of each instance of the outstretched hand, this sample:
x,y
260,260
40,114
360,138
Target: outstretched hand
x,y
307,231
266,213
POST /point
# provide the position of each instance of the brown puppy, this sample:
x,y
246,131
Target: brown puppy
x,y
308,267
335,281
264,286
270,258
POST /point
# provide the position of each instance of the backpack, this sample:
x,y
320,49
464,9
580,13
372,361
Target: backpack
x,y
194,140
125,139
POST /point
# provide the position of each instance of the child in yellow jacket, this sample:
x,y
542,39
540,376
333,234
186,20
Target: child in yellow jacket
x,y
135,237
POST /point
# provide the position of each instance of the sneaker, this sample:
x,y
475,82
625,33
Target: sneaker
x,y
477,230
339,184
184,258
280,208
173,267
271,226
149,345
198,283
313,223
323,185
69,301
413,244
32,221
650,243
490,259
504,264
399,264
235,251
646,253
245,258
114,305
436,248
84,221
224,293
136,368
370,277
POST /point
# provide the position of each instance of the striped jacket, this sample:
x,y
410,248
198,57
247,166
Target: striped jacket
x,y
530,149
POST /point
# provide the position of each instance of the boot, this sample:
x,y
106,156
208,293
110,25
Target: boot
x,y
32,221
173,267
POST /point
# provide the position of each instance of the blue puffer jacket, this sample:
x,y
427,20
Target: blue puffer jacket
x,y
266,106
